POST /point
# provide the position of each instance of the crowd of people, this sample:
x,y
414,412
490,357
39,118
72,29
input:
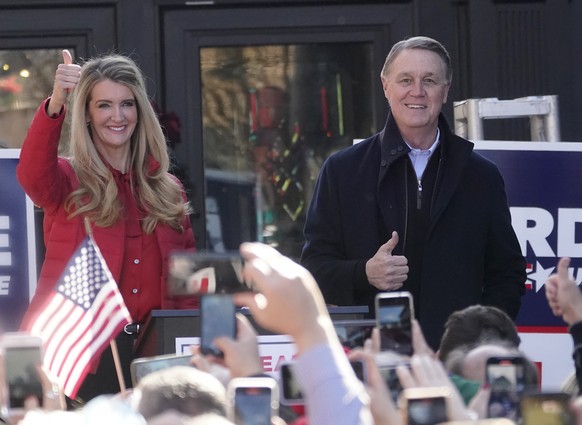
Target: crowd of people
x,y
417,197
332,393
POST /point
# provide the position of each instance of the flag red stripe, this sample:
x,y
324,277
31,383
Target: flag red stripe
x,y
60,336
75,335
80,347
96,347
55,328
75,346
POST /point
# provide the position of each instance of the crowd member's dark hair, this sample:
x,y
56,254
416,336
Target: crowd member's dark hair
x,y
474,325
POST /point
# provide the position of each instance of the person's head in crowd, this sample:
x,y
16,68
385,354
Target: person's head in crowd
x,y
472,365
468,361
111,410
59,417
475,325
171,417
183,389
208,419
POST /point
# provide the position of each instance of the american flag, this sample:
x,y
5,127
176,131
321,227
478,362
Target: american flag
x,y
82,315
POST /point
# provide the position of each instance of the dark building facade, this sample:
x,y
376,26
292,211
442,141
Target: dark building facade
x,y
255,94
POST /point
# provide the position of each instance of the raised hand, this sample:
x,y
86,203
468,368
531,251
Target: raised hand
x,y
66,78
563,294
289,301
385,271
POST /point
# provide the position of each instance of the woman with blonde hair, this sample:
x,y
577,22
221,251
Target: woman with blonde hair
x,y
116,179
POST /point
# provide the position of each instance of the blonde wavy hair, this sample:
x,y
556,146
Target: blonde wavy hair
x,y
158,193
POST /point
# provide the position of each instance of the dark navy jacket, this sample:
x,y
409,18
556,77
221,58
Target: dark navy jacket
x,y
471,256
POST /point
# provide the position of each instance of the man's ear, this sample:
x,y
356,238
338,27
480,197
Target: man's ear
x,y
384,83
446,93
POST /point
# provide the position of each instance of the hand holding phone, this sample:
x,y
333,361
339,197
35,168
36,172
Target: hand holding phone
x,y
252,401
217,318
505,376
394,314
426,405
392,381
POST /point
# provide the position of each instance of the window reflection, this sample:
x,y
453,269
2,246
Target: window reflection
x,y
26,78
271,115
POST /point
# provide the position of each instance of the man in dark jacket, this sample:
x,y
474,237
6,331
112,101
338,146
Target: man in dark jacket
x,y
414,207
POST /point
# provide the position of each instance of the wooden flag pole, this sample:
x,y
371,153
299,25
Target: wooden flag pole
x,y
87,224
117,362
112,343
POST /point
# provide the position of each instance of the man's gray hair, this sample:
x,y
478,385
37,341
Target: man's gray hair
x,y
419,42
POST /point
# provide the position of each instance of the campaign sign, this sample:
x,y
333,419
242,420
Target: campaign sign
x,y
17,244
543,183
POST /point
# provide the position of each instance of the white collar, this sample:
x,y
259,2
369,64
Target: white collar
x,y
431,149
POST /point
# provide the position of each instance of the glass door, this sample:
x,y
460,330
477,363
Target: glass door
x,y
26,79
263,109
271,114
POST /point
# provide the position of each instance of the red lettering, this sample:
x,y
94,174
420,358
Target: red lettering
x,y
266,361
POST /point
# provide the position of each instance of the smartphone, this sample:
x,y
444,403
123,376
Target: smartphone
x,y
252,401
197,273
290,388
353,333
392,381
143,366
394,314
505,377
426,406
217,318
22,354
359,368
547,409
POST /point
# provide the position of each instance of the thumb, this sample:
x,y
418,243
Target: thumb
x,y
389,246
563,265
67,57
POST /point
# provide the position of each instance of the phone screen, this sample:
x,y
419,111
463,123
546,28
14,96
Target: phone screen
x,y
205,273
394,319
505,378
252,406
359,369
427,411
547,409
353,333
217,318
21,375
290,385
144,366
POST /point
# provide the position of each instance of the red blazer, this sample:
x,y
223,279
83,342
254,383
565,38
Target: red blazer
x,y
48,179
